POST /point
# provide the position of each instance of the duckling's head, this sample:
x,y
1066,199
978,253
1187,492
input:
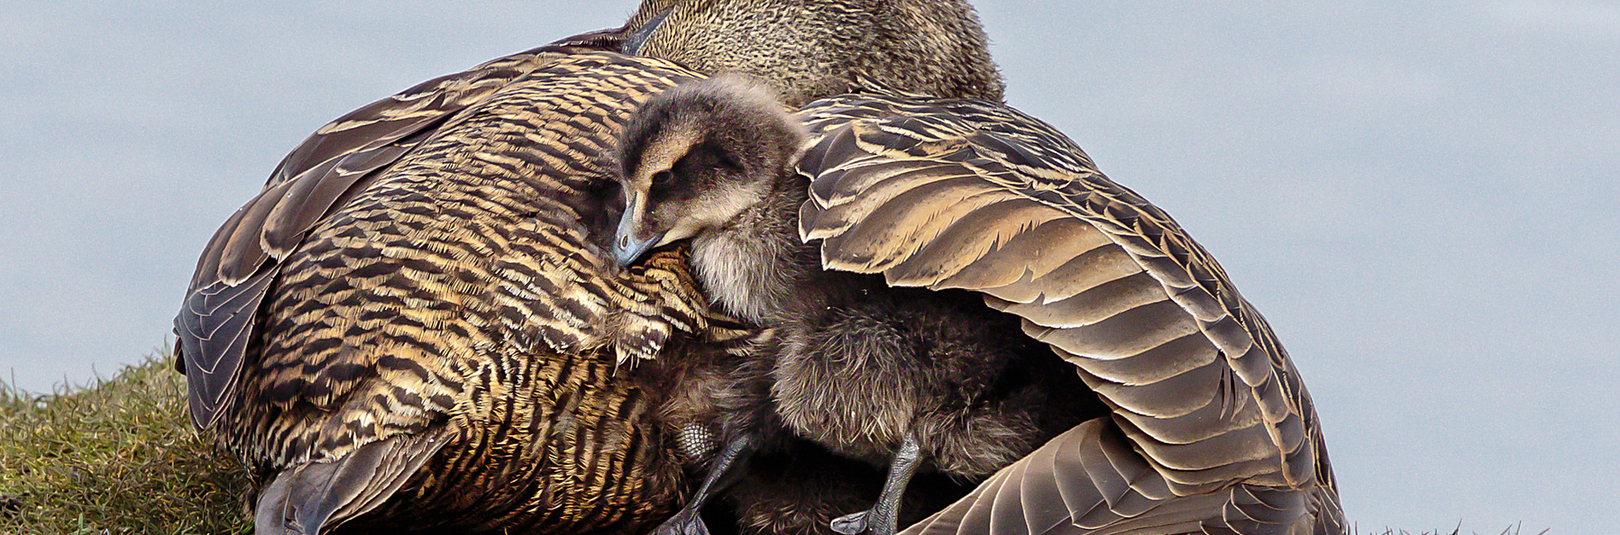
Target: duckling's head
x,y
697,156
818,48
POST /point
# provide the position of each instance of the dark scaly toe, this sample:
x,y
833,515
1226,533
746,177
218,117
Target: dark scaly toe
x,y
851,524
686,522
884,517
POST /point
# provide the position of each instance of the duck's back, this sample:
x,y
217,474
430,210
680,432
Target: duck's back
x,y
441,348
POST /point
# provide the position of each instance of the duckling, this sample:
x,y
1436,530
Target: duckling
x,y
904,376
951,284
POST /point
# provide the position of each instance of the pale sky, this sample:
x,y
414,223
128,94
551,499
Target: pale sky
x,y
1419,195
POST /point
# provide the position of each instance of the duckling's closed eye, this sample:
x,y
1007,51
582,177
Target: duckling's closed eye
x,y
721,158
704,159
663,178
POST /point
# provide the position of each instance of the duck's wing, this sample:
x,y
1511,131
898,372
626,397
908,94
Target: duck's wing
x,y
239,264
1092,480
972,195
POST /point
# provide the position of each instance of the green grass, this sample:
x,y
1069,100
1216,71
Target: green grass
x,y
118,456
1510,530
114,457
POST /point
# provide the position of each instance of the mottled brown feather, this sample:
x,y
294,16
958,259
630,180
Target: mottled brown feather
x,y
309,182
818,48
434,339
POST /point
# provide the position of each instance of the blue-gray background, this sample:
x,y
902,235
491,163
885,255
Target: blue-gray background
x,y
1419,195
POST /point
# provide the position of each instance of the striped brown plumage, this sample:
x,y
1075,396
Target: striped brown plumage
x,y
410,326
1212,429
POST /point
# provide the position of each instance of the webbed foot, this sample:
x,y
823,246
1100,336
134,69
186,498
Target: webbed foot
x,y
857,523
689,521
686,522
884,518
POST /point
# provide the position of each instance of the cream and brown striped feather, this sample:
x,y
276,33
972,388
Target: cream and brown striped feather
x,y
317,176
426,334
967,194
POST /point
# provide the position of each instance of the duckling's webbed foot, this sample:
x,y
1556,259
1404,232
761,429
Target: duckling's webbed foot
x,y
722,473
851,524
686,522
884,518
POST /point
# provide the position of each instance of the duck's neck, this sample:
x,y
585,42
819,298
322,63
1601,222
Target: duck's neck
x,y
752,266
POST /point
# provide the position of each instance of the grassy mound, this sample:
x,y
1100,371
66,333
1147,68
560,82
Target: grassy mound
x,y
117,456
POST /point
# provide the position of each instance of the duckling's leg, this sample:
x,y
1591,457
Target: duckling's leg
x,y
883,518
689,520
